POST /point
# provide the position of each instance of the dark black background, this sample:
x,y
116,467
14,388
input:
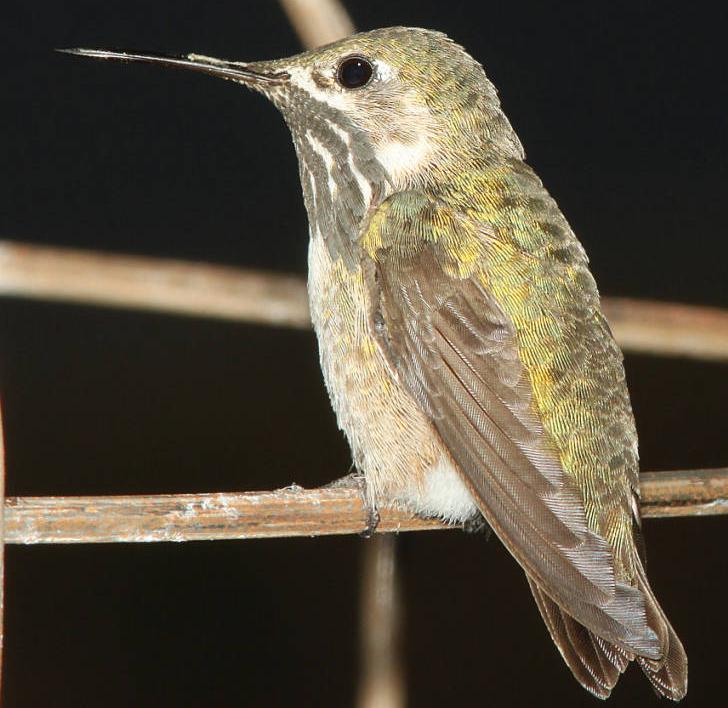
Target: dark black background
x,y
621,107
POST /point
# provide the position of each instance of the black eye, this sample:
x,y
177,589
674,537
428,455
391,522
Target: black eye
x,y
354,72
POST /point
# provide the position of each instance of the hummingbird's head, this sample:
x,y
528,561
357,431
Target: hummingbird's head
x,y
411,98
389,108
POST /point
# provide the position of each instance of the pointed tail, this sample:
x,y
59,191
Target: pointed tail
x,y
597,663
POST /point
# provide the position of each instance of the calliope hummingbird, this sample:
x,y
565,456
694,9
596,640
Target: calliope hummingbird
x,y
460,331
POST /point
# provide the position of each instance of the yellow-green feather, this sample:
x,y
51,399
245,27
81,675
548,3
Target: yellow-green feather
x,y
499,225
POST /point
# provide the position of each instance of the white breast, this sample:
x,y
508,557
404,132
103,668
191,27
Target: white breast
x,y
393,443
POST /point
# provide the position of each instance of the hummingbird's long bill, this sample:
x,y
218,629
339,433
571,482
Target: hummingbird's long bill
x,y
234,71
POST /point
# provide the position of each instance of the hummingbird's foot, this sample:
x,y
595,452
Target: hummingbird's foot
x,y
358,480
372,520
478,524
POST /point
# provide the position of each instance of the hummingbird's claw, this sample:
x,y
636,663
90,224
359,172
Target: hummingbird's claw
x,y
372,521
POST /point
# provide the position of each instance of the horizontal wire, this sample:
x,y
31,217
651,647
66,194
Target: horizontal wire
x,y
288,512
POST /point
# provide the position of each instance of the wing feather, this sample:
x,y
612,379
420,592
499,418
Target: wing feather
x,y
455,350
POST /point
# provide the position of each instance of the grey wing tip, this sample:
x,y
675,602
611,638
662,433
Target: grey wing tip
x,y
669,673
597,663
670,680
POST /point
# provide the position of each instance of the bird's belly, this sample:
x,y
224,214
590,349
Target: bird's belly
x,y
392,441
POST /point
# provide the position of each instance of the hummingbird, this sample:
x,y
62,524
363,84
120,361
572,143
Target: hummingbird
x,y
460,332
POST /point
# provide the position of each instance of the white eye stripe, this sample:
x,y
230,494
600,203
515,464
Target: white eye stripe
x,y
302,79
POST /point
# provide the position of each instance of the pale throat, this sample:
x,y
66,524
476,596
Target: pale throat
x,y
403,137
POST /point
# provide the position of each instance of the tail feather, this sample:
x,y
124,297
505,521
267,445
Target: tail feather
x,y
619,658
597,663
669,677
